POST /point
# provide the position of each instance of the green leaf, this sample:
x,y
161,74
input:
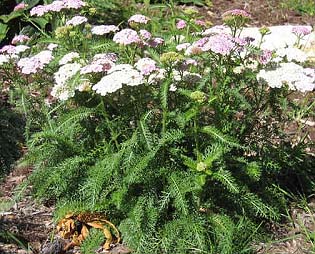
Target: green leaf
x,y
226,178
12,15
3,31
41,22
217,135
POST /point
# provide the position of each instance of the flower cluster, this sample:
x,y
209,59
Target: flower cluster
x,y
301,31
181,24
67,58
104,29
20,6
100,63
146,66
20,39
37,62
291,74
119,75
126,37
76,20
236,13
138,18
56,6
62,89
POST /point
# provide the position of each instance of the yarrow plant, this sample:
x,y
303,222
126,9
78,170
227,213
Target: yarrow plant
x,y
175,132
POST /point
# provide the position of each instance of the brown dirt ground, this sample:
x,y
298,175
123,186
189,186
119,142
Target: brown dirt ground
x,y
32,223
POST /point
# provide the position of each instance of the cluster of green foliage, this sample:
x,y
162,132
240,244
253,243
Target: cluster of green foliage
x,y
305,7
191,171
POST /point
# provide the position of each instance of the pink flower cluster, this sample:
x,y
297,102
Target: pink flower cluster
x,y
13,50
126,37
100,63
37,62
181,24
76,20
265,57
138,18
236,13
220,44
301,30
146,66
104,29
56,6
20,39
20,6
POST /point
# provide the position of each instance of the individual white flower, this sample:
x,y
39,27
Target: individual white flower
x,y
68,58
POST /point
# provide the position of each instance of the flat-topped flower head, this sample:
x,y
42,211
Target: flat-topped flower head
x,y
293,75
20,39
74,4
55,6
236,18
236,13
119,75
220,44
126,37
155,42
67,58
39,10
20,6
13,50
37,62
301,31
144,34
146,66
76,20
138,18
265,56
52,46
181,24
104,29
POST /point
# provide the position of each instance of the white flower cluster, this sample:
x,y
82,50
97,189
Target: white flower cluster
x,y
291,74
62,89
4,59
67,58
119,75
291,54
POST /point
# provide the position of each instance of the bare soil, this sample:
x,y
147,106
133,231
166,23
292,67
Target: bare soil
x,y
30,224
